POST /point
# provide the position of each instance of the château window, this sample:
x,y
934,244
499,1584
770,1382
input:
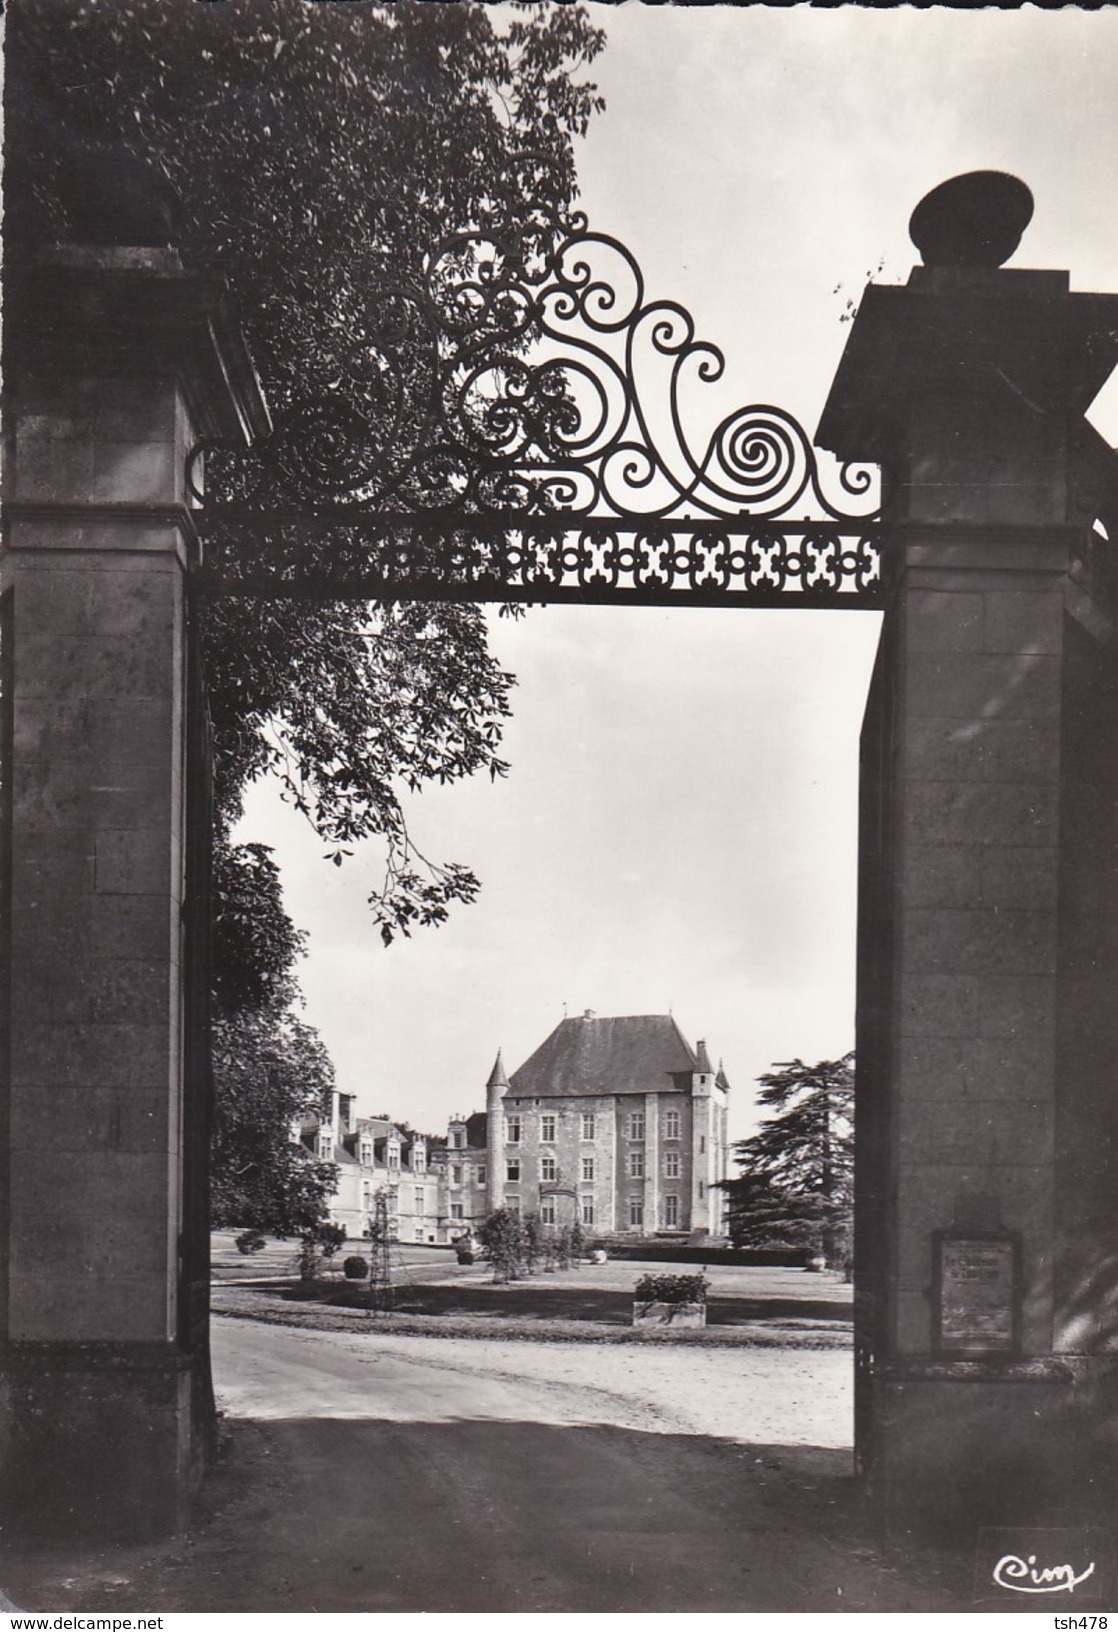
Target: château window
x,y
636,1164
671,1124
671,1164
512,1130
587,1169
512,1172
671,1212
636,1125
455,1173
636,1212
456,1210
547,1129
420,1201
589,1126
547,1169
481,1175
547,1210
588,1209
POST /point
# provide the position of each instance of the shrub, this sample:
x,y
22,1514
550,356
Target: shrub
x,y
249,1241
502,1238
671,1289
315,1245
356,1268
330,1238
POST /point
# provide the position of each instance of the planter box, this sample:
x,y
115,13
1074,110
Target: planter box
x,y
670,1314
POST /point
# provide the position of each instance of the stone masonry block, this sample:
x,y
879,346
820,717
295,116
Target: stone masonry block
x,y
52,470
979,686
69,1307
1019,877
963,1069
85,598
969,813
990,1132
80,1203
939,1005
130,927
1016,1006
94,1118
102,668
118,733
993,749
135,861
151,545
951,941
81,793
939,622
134,473
44,876
100,991
119,1056
1023,621
135,410
939,875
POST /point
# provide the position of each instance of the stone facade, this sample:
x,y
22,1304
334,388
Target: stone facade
x,y
115,360
988,956
643,1159
618,1123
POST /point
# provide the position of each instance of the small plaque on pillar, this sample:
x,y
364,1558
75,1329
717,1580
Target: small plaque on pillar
x,y
976,1294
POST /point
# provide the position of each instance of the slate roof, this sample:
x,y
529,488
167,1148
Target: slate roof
x,y
627,1054
476,1130
497,1078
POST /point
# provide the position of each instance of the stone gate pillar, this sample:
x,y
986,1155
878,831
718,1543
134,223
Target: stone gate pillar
x,y
987,1122
115,359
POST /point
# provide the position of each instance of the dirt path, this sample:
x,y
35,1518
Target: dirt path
x,y
404,1474
747,1396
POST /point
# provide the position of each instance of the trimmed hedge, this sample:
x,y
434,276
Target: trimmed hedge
x,y
667,1252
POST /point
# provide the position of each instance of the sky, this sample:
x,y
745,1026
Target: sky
x,y
678,830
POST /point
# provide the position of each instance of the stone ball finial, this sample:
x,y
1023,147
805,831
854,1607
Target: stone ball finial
x,y
972,220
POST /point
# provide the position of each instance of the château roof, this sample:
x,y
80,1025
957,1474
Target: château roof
x,y
497,1077
627,1054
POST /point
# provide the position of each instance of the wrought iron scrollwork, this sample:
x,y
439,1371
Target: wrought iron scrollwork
x,y
514,423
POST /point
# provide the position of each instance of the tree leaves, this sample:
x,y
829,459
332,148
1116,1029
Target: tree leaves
x,y
316,149
796,1187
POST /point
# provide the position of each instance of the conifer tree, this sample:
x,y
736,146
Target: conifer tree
x,y
796,1185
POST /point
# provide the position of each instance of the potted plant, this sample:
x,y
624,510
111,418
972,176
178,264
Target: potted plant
x,y
670,1300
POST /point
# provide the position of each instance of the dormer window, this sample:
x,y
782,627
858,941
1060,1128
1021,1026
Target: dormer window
x,y
393,1155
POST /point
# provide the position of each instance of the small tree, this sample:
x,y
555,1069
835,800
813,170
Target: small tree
x,y
533,1242
502,1240
796,1187
577,1241
316,1245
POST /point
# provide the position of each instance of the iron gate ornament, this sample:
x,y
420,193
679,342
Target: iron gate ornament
x,y
509,425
